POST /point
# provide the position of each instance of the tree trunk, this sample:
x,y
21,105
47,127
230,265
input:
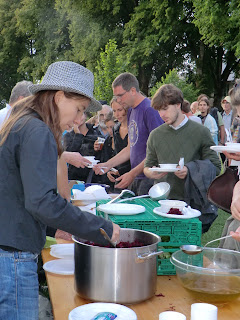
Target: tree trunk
x,y
143,79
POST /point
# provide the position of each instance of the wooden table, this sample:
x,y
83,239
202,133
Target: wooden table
x,y
170,295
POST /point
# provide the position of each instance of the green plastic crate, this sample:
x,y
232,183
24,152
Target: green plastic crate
x,y
173,232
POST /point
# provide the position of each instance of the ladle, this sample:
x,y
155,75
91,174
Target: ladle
x,y
159,191
104,233
193,249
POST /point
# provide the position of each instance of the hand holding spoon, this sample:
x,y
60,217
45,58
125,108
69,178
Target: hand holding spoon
x,y
106,237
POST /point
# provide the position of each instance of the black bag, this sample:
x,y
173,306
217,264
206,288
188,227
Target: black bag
x,y
220,191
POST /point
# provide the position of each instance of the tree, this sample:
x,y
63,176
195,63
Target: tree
x,y
93,23
110,65
46,30
12,49
153,37
151,53
218,23
190,93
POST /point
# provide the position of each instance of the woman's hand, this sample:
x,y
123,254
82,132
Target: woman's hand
x,y
236,234
125,180
75,159
96,146
116,233
234,156
235,205
101,168
112,175
76,129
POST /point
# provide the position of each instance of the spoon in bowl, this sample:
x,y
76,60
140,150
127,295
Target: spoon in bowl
x,y
193,249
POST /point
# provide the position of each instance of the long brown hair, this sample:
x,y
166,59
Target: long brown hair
x,y
41,105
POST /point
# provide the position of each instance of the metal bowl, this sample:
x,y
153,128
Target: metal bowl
x,y
211,276
159,191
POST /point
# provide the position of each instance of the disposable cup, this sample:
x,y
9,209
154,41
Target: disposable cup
x,y
171,315
206,311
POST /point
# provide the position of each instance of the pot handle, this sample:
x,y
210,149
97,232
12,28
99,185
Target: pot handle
x,y
146,256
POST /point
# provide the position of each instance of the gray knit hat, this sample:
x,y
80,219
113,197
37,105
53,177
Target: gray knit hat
x,y
69,77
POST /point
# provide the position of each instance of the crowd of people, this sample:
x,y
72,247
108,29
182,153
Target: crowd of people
x,y
47,131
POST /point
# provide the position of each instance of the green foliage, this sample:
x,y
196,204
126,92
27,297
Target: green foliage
x,y
152,37
12,48
214,21
215,231
110,64
46,30
190,93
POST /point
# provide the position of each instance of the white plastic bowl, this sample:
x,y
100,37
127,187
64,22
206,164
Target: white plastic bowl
x,y
90,158
166,205
168,165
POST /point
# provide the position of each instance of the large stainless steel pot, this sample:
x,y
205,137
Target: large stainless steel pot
x,y
120,275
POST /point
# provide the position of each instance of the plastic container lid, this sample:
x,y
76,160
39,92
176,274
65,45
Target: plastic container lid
x,y
60,266
63,251
88,311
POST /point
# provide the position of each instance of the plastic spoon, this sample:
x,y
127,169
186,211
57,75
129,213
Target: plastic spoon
x,y
193,249
123,192
106,237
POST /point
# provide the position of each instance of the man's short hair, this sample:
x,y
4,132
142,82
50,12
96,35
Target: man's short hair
x,y
167,94
20,89
186,106
109,117
127,80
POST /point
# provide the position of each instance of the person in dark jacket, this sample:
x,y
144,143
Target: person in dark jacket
x,y
81,139
29,148
107,151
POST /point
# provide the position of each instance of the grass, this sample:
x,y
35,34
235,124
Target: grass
x,y
216,228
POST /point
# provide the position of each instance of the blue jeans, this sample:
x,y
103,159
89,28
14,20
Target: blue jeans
x,y
18,285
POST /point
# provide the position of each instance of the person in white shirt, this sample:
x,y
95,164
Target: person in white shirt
x,y
19,91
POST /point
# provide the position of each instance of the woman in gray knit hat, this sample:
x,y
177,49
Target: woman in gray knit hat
x,y
29,148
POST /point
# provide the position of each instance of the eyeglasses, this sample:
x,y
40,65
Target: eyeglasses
x,y
119,96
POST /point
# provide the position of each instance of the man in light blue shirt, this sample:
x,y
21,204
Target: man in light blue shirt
x,y
227,112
